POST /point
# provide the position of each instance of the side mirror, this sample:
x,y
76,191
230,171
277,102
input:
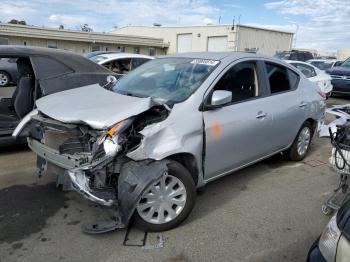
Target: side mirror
x,y
111,79
221,97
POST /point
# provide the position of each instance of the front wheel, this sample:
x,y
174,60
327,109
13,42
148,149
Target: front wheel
x,y
168,202
301,144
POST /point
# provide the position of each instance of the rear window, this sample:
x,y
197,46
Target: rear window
x,y
281,79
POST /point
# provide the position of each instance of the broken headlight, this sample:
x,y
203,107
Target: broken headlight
x,y
111,143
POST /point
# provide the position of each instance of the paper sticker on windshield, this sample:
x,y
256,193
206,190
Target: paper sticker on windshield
x,y
205,62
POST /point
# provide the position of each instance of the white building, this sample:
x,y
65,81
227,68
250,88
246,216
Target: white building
x,y
215,38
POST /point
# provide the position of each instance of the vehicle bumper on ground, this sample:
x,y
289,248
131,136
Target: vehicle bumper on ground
x,y
315,254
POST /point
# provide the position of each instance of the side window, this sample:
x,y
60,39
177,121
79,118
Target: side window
x,y
136,62
241,80
280,78
308,71
119,66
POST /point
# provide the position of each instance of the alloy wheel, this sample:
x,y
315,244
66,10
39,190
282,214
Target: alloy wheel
x,y
303,140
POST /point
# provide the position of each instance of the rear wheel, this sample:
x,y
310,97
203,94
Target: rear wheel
x,y
168,202
4,79
301,144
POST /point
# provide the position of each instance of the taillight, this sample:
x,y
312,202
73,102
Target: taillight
x,y
323,94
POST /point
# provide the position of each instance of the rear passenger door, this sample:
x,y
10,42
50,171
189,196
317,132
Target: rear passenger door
x,y
237,133
286,103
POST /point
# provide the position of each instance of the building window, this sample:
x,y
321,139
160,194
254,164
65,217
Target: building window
x,y
4,41
136,50
121,49
95,48
152,51
51,44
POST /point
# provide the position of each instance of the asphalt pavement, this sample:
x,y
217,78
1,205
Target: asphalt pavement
x,y
270,211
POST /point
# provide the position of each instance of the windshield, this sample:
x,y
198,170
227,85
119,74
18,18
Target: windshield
x,y
283,55
171,79
323,65
346,63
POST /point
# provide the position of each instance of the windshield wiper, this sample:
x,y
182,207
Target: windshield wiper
x,y
130,94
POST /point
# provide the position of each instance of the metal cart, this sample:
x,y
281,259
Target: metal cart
x,y
340,162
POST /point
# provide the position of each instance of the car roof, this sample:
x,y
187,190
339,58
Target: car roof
x,y
221,55
123,55
16,50
324,60
304,63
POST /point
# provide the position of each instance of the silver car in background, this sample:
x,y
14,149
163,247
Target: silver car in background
x,y
171,126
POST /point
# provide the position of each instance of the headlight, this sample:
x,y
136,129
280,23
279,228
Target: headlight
x,y
329,240
115,129
110,144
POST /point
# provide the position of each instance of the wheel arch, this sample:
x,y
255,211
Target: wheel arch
x,y
313,124
189,161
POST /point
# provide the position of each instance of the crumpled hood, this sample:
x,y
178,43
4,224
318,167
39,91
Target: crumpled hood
x,y
92,105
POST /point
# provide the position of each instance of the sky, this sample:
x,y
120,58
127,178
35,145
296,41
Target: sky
x,y
319,24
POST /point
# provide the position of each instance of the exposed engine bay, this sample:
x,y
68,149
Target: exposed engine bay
x,y
94,162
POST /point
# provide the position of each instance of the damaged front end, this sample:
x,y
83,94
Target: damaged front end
x,y
95,162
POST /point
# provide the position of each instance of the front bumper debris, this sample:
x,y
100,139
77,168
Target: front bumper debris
x,y
80,183
65,161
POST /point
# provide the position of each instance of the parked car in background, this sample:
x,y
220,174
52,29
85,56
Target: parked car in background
x,y
8,71
322,79
294,55
145,145
95,53
334,243
325,64
340,77
41,72
121,63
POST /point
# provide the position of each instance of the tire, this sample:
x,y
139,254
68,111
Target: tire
x,y
297,155
4,79
176,172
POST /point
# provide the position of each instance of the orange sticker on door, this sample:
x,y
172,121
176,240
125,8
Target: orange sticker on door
x,y
216,130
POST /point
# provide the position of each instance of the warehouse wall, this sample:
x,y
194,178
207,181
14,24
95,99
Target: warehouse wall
x,y
265,41
200,35
78,47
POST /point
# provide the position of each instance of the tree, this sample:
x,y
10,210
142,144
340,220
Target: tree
x,y
13,21
17,22
86,28
61,27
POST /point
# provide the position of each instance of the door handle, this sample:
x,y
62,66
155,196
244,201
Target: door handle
x,y
302,105
261,115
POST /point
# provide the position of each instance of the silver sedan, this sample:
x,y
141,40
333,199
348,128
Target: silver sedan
x,y
143,146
